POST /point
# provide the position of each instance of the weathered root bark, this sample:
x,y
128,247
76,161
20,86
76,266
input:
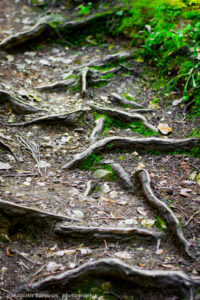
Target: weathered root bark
x,y
122,174
121,234
91,185
42,27
166,213
124,116
97,130
63,84
71,119
8,148
114,268
146,144
23,37
16,104
13,210
83,78
111,58
116,98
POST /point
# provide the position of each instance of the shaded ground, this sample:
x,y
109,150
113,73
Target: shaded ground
x,y
30,252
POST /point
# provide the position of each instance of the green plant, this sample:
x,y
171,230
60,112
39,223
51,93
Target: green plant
x,y
160,224
84,10
91,161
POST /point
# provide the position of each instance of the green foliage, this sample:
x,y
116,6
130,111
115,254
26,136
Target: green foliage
x,y
136,126
168,32
84,10
160,224
91,161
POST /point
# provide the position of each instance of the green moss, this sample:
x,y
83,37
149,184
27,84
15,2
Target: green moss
x,y
136,126
91,161
107,76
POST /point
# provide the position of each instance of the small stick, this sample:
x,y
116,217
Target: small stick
x,y
192,217
28,259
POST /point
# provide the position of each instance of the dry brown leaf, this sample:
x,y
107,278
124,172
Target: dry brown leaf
x,y
164,128
185,192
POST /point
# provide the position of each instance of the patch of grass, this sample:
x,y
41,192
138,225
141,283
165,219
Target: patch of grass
x,y
108,76
112,176
160,224
91,161
136,126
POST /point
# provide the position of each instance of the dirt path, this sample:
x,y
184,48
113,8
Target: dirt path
x,y
31,248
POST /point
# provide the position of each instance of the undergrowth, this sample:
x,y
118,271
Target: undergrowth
x,y
136,126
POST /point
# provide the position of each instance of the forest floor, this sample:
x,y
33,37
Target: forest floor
x,y
30,250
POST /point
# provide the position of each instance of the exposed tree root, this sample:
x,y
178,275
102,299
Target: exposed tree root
x,y
122,174
71,118
41,27
111,58
124,116
83,78
165,212
23,37
97,130
116,98
116,269
100,233
63,84
91,185
7,147
16,104
18,211
132,143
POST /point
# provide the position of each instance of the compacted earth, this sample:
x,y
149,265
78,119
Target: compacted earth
x,y
43,191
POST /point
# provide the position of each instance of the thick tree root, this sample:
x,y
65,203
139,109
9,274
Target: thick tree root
x,y
123,116
166,213
121,234
23,37
71,119
16,104
97,130
111,58
146,144
116,98
63,84
116,269
122,174
42,27
13,210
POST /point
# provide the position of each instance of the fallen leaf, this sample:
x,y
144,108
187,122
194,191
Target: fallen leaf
x,y
141,265
164,128
141,165
198,179
167,266
159,251
185,192
5,166
123,255
84,251
8,252
147,223
141,211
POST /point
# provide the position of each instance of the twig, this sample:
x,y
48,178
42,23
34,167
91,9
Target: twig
x,y
28,259
192,217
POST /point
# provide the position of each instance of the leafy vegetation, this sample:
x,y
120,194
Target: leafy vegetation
x,y
168,32
136,126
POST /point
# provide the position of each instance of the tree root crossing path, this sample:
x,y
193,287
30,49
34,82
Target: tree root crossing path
x,y
99,170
